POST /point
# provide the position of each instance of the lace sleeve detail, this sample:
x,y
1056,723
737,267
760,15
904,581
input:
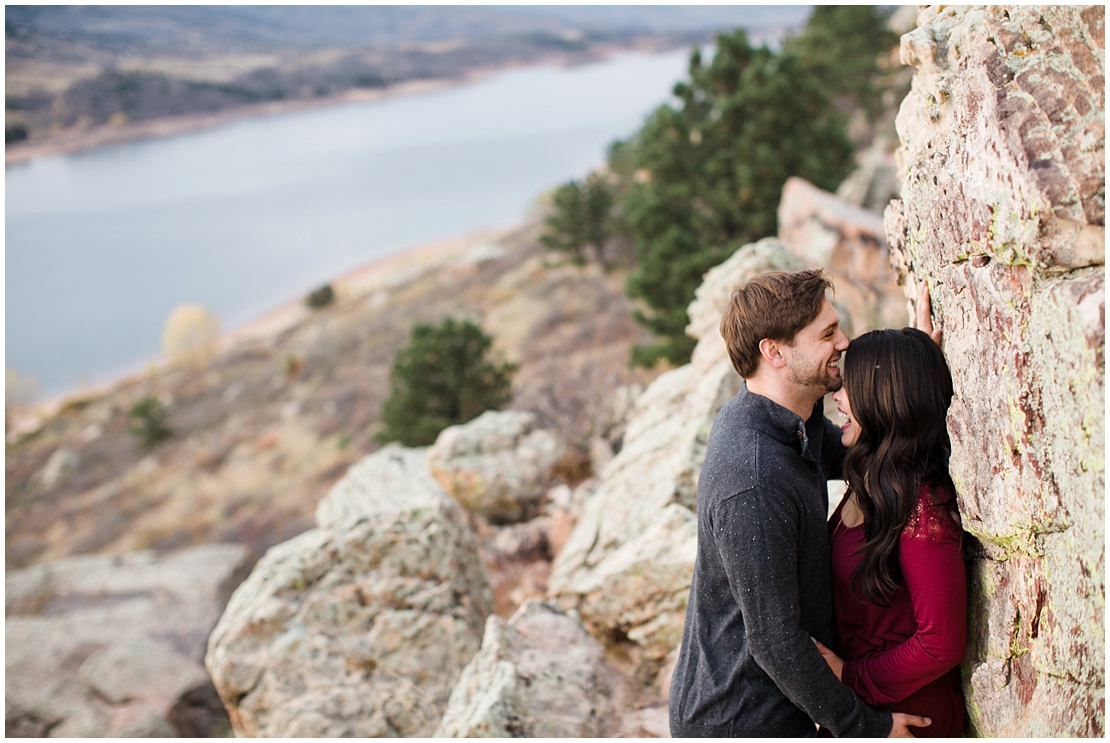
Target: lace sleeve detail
x,y
932,516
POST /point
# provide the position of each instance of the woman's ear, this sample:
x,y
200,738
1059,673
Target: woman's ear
x,y
772,353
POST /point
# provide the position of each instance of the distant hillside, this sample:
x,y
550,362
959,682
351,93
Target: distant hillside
x,y
223,29
72,68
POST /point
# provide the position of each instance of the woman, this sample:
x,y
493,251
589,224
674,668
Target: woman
x,y
898,574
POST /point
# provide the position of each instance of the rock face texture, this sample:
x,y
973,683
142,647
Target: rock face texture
x,y
113,646
1003,156
627,565
497,465
538,675
849,242
361,626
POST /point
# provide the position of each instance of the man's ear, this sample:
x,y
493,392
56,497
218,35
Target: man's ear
x,y
772,353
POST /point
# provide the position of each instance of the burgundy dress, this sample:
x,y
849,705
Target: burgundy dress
x,y
905,657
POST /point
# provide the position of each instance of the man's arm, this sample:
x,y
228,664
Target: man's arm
x,y
758,539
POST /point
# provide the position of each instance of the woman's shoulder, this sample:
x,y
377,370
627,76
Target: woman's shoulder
x,y
935,514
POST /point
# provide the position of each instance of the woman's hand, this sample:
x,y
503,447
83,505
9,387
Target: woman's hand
x,y
834,661
925,314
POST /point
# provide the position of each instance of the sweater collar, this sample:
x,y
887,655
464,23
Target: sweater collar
x,y
780,423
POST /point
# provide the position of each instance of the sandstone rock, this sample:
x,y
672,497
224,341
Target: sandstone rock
x,y
627,565
1003,151
361,626
112,645
539,675
497,465
847,241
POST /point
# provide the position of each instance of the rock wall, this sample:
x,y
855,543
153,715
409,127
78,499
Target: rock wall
x,y
1003,167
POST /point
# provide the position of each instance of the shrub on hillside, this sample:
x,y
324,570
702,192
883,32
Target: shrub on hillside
x,y
192,334
442,378
322,297
147,421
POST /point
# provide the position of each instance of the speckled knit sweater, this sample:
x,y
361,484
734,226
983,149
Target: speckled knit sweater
x,y
762,584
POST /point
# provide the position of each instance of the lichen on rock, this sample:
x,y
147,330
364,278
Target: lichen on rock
x,y
361,626
538,675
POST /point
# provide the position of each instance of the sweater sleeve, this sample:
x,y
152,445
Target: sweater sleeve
x,y
758,541
933,569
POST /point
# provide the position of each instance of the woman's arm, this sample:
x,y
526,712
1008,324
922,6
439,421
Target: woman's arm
x,y
933,568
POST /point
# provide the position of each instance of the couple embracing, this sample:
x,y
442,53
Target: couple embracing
x,y
855,624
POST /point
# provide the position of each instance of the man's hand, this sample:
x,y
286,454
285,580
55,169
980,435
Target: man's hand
x,y
902,723
834,661
925,314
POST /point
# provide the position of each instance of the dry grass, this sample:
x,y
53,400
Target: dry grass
x,y
259,438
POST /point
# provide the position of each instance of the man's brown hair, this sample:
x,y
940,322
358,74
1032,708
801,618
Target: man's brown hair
x,y
774,305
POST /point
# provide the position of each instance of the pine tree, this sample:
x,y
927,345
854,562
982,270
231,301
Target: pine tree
x,y
840,48
707,175
443,377
580,218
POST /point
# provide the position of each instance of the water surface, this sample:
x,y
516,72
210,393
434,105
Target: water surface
x,y
102,245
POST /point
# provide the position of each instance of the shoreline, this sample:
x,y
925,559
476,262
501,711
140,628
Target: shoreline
x,y
104,135
170,126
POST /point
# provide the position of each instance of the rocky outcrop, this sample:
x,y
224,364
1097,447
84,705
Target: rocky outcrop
x,y
361,626
627,565
103,645
1003,156
498,465
538,675
849,243
874,182
518,558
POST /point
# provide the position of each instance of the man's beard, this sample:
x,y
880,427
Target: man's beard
x,y
817,376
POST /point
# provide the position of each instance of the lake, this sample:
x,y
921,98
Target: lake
x,y
102,245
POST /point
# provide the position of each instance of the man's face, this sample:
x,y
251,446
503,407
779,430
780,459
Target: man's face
x,y
813,360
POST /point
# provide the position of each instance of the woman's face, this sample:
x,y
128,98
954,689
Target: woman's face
x,y
849,431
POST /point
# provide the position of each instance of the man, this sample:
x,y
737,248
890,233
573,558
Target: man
x,y
762,579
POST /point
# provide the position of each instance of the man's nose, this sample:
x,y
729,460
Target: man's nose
x,y
841,341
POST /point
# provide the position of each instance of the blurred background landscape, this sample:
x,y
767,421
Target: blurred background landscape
x,y
235,236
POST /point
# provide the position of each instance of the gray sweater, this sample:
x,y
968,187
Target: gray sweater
x,y
762,584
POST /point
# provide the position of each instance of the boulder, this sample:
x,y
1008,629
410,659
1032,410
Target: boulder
x,y
361,626
103,645
498,465
1003,212
849,242
626,566
538,675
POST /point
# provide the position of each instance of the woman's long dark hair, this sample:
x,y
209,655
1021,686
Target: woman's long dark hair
x,y
899,388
